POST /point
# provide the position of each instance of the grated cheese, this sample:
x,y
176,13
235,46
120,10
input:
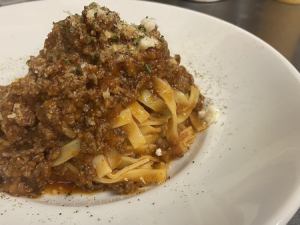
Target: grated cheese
x,y
202,114
149,24
90,14
11,116
212,114
147,42
158,152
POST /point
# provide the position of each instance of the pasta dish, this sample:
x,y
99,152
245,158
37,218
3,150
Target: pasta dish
x,y
103,107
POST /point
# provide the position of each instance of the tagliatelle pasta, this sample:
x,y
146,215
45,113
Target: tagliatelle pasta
x,y
143,135
68,151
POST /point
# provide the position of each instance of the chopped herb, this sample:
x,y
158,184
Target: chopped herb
x,y
114,38
78,71
66,61
148,68
142,28
95,59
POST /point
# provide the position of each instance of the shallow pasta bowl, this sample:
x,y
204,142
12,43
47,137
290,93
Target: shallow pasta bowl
x,y
243,170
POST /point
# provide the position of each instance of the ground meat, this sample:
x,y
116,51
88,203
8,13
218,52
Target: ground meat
x,y
92,66
126,187
24,115
25,172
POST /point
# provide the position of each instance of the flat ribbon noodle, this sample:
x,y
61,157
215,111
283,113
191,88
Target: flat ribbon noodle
x,y
125,120
151,101
151,138
165,91
122,119
101,166
180,98
154,121
67,152
138,112
193,99
197,123
114,158
135,135
141,169
127,168
147,176
150,130
186,138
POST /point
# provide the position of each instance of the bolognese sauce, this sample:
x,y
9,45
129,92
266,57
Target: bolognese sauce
x,y
104,106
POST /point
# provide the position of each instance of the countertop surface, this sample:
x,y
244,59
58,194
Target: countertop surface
x,y
276,23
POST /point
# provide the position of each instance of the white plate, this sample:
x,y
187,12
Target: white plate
x,y
243,171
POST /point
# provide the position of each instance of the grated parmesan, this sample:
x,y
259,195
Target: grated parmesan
x,y
158,152
148,42
149,24
106,94
90,14
11,116
212,114
202,114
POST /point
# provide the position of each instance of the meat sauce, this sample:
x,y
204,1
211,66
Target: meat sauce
x,y
91,67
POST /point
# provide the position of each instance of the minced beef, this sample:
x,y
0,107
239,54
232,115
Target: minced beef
x,y
91,67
